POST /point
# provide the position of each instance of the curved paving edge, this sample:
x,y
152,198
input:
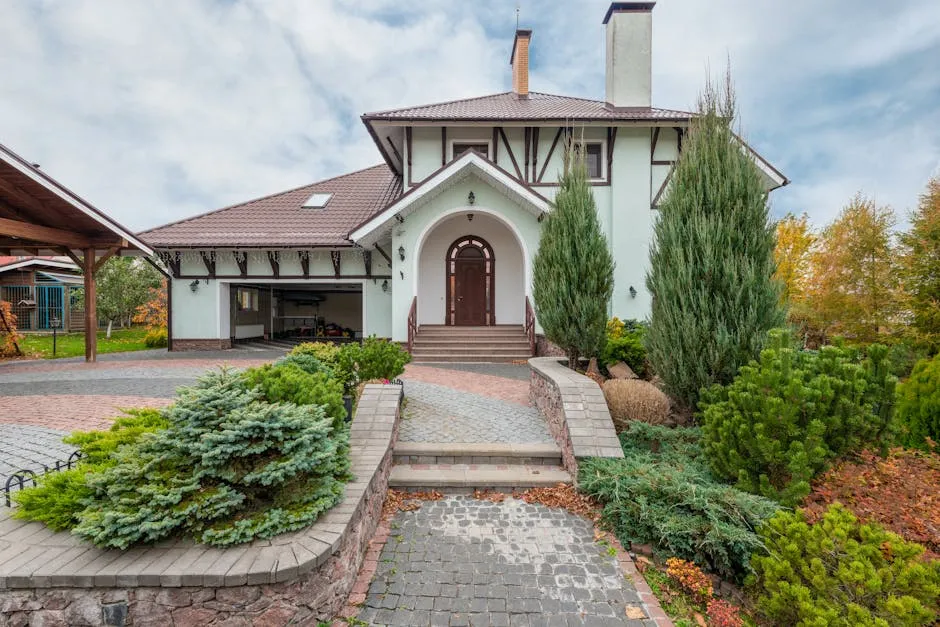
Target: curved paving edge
x,y
33,556
575,410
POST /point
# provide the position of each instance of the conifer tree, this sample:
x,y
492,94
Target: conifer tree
x,y
711,260
920,267
573,271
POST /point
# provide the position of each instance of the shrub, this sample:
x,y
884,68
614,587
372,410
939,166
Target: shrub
x,y
374,359
633,399
711,260
690,578
785,417
629,349
231,467
902,357
306,362
669,499
8,334
287,383
60,497
723,614
327,354
156,338
919,403
842,573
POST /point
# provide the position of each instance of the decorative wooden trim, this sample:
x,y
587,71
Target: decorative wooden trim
x,y
391,145
304,262
241,258
663,162
495,144
268,277
384,254
336,258
679,134
548,157
208,258
535,151
527,143
662,187
443,145
409,150
611,138
172,261
515,165
653,143
75,258
367,261
275,264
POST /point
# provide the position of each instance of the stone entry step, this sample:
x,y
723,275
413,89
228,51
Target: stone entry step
x,y
498,343
470,476
536,454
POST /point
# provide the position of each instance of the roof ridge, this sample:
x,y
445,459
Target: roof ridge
x,y
260,198
434,104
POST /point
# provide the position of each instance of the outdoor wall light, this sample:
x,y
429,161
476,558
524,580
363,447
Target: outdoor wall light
x,y
471,198
385,285
632,292
400,219
402,273
194,286
470,217
401,253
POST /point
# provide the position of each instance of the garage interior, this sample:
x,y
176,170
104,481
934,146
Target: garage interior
x,y
296,311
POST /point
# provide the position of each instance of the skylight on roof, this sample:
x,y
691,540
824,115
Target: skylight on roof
x,y
317,200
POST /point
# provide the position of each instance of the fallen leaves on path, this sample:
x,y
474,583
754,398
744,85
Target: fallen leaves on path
x,y
564,496
489,495
402,501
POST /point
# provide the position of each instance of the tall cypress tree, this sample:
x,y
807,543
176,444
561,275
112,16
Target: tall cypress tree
x,y
711,261
573,271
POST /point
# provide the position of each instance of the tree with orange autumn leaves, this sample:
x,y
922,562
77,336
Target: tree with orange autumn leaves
x,y
153,313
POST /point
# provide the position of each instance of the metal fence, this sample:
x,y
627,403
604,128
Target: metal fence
x,y
37,308
22,478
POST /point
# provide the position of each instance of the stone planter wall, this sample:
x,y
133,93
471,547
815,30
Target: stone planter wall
x,y
51,578
576,412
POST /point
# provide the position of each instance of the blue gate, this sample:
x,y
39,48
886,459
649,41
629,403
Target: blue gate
x,y
50,306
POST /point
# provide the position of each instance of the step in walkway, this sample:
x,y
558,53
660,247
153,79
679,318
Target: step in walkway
x,y
458,440
494,344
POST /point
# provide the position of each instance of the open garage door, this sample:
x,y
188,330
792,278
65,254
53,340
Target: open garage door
x,y
296,311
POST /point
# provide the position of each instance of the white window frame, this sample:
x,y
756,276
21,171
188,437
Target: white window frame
x,y
603,145
488,142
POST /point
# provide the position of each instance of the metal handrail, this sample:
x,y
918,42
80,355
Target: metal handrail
x,y
530,325
412,323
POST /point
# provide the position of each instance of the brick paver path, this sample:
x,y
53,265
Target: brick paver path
x,y
462,561
436,413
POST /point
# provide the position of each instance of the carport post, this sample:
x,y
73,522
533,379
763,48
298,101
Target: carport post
x,y
91,314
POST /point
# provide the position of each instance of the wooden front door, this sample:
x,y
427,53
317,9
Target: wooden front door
x,y
470,283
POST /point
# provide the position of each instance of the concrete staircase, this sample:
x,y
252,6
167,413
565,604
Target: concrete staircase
x,y
465,467
498,343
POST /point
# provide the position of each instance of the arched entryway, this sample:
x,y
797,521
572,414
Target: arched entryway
x,y
470,270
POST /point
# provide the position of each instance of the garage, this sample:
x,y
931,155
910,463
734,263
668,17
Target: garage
x,y
296,311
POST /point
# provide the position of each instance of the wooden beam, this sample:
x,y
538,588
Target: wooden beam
x,y
535,151
275,264
678,139
43,234
304,262
512,157
653,143
662,187
611,138
75,258
548,157
208,258
408,143
391,145
367,261
495,145
241,259
107,255
443,145
384,254
336,258
527,141
91,312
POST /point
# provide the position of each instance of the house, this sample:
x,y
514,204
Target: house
x,y
44,293
434,247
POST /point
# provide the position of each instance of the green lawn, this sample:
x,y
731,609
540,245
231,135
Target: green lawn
x,y
73,344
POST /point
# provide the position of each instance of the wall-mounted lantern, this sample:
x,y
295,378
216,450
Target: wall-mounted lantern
x,y
385,285
632,292
401,253
194,286
470,217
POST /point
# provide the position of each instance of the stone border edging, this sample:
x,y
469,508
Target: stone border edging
x,y
575,410
32,556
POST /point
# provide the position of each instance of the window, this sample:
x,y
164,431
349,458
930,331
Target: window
x,y
592,158
458,148
317,200
246,299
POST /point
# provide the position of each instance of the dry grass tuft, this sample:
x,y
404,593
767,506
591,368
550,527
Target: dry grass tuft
x,y
634,399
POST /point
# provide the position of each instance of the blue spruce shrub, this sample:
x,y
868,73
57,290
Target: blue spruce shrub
x,y
231,467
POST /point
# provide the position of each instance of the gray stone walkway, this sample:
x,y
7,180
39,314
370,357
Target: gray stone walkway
x,y
435,413
460,561
30,447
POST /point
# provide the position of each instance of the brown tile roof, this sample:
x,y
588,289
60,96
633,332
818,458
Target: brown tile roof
x,y
538,106
281,220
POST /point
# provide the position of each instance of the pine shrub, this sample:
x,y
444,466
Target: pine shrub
x,y
711,260
230,468
573,271
840,573
919,404
782,419
670,500
287,383
328,355
633,399
375,359
60,497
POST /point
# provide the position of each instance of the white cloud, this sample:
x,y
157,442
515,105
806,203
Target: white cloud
x,y
154,111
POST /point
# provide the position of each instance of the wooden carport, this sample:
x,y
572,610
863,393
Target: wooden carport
x,y
39,216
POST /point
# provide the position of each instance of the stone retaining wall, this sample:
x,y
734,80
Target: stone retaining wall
x,y
201,345
576,412
53,579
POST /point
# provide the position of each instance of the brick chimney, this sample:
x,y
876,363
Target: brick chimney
x,y
629,54
519,60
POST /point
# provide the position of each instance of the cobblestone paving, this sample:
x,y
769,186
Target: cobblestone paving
x,y
460,561
518,372
491,380
30,447
435,413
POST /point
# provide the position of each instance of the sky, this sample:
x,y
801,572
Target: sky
x,y
156,110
